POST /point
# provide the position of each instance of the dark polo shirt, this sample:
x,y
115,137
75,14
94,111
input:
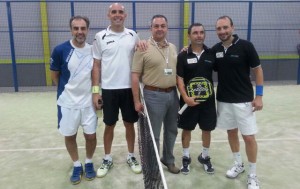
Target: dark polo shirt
x,y
233,66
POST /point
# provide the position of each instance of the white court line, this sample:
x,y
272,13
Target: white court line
x,y
121,145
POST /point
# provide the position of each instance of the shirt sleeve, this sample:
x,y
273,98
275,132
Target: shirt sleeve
x,y
138,62
180,65
96,49
253,56
55,60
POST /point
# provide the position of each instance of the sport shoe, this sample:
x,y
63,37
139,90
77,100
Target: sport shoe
x,y
76,175
206,164
235,170
134,165
171,167
252,182
90,173
185,169
106,165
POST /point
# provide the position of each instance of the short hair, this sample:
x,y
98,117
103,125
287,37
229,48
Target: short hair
x,y
78,17
158,16
225,16
193,25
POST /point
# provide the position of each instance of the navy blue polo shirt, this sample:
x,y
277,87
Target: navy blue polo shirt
x,y
189,66
233,66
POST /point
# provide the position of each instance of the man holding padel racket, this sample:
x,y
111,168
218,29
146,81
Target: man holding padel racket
x,y
195,84
236,104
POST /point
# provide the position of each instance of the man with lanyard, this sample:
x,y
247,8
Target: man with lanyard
x,y
156,67
197,61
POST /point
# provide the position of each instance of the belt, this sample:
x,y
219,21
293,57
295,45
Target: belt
x,y
166,90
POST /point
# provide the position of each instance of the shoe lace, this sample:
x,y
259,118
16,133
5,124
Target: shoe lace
x,y
185,161
133,161
253,179
237,167
76,171
105,164
89,167
207,162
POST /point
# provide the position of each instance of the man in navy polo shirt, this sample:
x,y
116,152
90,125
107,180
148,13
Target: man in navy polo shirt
x,y
236,104
197,61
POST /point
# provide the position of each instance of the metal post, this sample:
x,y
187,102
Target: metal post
x,y
12,47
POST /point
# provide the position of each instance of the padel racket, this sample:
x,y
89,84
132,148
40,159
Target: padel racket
x,y
200,88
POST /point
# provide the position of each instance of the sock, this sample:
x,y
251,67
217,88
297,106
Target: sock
x,y
108,157
87,160
186,152
205,152
252,168
237,157
77,163
130,155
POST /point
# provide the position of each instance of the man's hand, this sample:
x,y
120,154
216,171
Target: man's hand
x,y
141,45
139,107
257,103
190,101
96,99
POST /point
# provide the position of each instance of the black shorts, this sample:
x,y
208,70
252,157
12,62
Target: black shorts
x,y
203,114
115,99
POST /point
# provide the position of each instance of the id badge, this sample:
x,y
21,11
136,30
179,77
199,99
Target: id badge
x,y
168,71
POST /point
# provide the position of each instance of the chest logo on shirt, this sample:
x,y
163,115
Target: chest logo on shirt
x,y
192,60
234,56
208,61
219,55
110,42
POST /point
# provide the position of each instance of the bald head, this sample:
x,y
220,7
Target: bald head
x,y
116,5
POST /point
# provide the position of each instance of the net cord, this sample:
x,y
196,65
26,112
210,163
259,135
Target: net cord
x,y
152,136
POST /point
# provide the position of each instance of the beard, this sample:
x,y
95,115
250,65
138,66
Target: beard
x,y
80,39
224,37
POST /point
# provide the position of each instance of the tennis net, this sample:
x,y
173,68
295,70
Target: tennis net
x,y
153,174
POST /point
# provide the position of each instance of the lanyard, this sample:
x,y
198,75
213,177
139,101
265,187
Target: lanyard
x,y
166,57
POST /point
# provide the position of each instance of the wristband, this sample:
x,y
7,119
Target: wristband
x,y
95,89
259,90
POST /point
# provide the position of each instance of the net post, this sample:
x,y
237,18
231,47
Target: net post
x,y
298,78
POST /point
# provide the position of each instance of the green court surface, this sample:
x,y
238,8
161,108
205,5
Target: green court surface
x,y
33,155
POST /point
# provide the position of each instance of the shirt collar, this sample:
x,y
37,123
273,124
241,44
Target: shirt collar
x,y
190,51
235,39
110,32
160,45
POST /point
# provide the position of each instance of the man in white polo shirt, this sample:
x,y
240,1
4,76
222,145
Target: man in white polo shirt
x,y
113,50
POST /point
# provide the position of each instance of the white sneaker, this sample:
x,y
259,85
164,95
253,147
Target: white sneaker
x,y
252,182
106,165
235,170
134,165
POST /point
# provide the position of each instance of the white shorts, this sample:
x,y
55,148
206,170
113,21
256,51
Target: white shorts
x,y
236,115
69,120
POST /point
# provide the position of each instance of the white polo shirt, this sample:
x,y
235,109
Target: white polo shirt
x,y
115,50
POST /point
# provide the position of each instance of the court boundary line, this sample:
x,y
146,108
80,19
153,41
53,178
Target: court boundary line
x,y
121,145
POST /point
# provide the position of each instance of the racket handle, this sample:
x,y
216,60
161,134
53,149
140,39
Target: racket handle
x,y
182,109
